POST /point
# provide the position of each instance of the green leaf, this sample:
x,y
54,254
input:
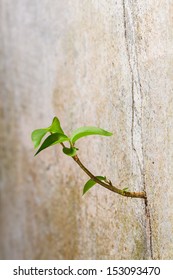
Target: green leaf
x,y
88,130
70,151
51,140
55,126
90,183
125,189
37,136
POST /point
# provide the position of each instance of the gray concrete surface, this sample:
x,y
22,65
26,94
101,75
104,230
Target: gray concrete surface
x,y
105,63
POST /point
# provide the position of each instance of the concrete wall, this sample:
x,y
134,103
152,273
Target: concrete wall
x,y
105,63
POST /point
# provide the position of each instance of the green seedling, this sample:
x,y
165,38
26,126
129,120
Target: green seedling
x,y
57,136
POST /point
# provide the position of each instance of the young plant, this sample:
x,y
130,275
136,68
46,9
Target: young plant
x,y
57,136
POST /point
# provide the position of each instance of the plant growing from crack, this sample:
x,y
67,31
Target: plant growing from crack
x,y
57,136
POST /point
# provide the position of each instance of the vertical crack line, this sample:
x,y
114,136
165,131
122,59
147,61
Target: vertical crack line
x,y
131,71
149,228
147,207
135,79
132,86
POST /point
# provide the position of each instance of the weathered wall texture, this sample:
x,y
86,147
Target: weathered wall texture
x,y
105,63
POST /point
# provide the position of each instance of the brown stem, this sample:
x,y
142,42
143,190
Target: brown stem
x,y
109,186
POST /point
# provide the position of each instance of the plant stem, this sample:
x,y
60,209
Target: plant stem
x,y
109,186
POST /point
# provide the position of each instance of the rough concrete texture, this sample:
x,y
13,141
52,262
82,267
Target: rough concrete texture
x,y
105,63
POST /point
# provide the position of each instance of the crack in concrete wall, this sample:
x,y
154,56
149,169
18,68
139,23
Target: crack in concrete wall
x,y
137,107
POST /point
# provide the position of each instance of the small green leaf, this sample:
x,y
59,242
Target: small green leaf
x,y
125,189
55,126
88,130
51,140
90,183
70,151
37,136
